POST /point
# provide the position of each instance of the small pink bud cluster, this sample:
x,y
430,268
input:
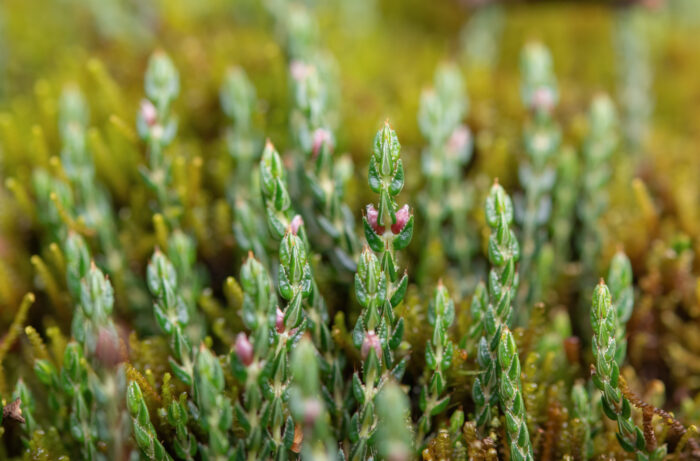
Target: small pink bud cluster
x,y
371,341
299,70
543,99
149,113
279,321
459,139
296,222
312,410
402,217
321,136
279,324
107,349
244,350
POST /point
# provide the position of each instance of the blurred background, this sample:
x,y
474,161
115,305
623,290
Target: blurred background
x,y
385,52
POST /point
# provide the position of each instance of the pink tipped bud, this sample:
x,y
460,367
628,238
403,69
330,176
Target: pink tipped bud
x,y
295,224
149,112
371,341
402,217
244,350
459,139
321,136
107,349
279,321
312,410
298,70
373,218
543,99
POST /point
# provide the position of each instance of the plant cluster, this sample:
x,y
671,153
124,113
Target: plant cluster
x,y
203,263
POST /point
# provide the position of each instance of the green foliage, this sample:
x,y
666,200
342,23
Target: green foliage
x,y
216,415
144,432
605,323
494,314
189,290
306,404
597,149
439,352
171,315
510,396
541,135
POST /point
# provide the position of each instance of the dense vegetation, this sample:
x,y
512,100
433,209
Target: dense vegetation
x,y
349,230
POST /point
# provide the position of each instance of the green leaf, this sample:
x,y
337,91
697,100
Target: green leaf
x,y
440,406
399,291
397,334
375,242
403,238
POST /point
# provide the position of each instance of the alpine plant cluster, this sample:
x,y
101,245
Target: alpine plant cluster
x,y
243,287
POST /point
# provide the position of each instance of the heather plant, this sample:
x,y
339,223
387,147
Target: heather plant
x,y
449,197
541,136
157,126
379,330
323,177
438,356
564,207
205,255
238,101
492,312
616,406
598,147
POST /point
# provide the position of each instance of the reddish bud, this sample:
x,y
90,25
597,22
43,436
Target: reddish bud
x,y
298,70
279,321
371,341
295,224
373,218
149,112
543,99
459,139
312,410
402,217
244,350
107,349
321,136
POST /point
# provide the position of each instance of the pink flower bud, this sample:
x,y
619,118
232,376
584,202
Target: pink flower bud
x,y
107,349
372,219
402,217
543,99
371,341
312,410
295,224
149,112
298,70
321,136
459,139
279,321
244,350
